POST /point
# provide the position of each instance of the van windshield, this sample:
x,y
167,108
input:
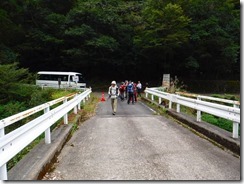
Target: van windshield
x,y
81,79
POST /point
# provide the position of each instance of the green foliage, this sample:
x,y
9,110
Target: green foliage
x,y
220,122
104,42
11,108
192,63
225,96
10,76
40,96
214,38
165,25
210,119
196,38
7,56
79,32
213,86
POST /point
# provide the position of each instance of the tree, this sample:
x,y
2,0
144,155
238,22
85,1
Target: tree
x,y
163,29
10,77
214,39
196,38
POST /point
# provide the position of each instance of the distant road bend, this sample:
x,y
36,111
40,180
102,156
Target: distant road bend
x,y
136,144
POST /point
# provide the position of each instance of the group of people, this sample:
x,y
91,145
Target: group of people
x,y
127,90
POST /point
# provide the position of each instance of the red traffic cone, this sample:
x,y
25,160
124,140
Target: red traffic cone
x,y
103,98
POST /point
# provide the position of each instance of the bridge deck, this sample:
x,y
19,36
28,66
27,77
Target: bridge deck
x,y
136,144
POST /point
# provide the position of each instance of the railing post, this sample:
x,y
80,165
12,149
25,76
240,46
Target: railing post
x,y
66,115
235,127
199,116
2,133
177,106
3,168
3,172
146,92
235,130
48,130
75,108
170,101
90,93
159,100
152,97
79,105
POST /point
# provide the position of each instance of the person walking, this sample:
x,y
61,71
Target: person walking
x,y
130,93
139,88
126,91
134,91
113,92
122,91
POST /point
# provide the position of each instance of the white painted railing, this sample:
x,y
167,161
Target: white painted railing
x,y
13,142
219,110
233,102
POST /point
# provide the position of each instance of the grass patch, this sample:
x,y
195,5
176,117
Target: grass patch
x,y
89,109
220,122
60,93
227,96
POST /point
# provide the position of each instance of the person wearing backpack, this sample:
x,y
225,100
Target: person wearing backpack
x,y
130,93
139,88
122,91
113,93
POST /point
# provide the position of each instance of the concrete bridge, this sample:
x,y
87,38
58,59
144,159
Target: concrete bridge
x,y
135,144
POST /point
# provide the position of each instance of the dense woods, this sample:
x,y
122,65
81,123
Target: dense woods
x,y
105,40
123,39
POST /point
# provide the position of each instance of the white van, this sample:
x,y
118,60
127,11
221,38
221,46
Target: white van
x,y
62,80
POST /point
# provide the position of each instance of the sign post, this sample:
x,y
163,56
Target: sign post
x,y
166,81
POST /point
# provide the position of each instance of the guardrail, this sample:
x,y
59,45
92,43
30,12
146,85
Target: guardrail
x,y
13,142
219,110
233,102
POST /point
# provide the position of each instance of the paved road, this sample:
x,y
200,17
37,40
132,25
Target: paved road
x,y
136,144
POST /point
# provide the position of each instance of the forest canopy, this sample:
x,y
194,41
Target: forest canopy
x,y
139,39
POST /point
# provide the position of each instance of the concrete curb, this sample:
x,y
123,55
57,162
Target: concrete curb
x,y
214,133
35,164
218,135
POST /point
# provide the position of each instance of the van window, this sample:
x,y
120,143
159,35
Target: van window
x,y
52,77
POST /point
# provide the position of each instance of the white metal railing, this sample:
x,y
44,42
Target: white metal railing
x,y
233,102
223,111
13,142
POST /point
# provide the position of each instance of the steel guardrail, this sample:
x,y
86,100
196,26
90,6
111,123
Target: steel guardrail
x,y
219,110
13,142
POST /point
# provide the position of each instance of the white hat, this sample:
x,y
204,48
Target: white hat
x,y
113,82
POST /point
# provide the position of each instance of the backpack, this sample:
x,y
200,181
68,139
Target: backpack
x,y
130,88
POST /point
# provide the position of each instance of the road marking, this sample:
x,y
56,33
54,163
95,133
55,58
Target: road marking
x,y
148,108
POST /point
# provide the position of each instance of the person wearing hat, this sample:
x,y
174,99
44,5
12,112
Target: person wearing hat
x,y
113,93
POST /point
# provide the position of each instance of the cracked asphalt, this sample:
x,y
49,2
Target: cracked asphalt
x,y
136,144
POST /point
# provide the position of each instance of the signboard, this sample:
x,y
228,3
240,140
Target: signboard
x,y
166,80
